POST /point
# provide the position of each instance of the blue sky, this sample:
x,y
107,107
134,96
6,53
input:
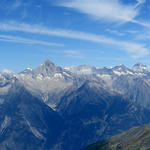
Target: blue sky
x,y
74,32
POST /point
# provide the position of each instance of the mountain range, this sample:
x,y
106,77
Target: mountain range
x,y
54,108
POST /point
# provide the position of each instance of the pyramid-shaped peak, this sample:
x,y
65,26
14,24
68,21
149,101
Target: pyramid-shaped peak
x,y
47,68
48,65
122,66
47,62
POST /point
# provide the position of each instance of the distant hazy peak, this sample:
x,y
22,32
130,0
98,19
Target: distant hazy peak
x,y
139,65
26,71
48,63
6,71
120,67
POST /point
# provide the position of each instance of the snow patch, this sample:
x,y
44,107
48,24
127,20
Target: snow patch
x,y
53,106
104,76
119,73
58,75
66,74
39,76
35,131
48,78
29,69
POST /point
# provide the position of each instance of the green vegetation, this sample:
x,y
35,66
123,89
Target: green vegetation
x,y
98,146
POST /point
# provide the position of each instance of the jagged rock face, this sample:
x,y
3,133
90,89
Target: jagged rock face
x,y
47,82
47,69
134,139
140,68
135,88
26,123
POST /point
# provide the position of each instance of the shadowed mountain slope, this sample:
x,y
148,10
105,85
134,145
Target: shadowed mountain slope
x,y
94,114
26,123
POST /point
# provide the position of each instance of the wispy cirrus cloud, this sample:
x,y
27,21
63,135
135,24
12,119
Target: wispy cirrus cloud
x,y
144,36
134,49
73,54
108,10
16,39
139,2
115,32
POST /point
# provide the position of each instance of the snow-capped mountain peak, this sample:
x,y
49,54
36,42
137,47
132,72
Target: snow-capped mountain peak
x,y
47,69
139,65
140,68
122,70
26,71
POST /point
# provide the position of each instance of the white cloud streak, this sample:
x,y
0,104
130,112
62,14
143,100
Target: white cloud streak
x,y
115,32
135,49
144,36
142,23
140,2
16,39
108,10
73,54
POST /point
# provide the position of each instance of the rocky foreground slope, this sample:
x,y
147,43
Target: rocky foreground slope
x,y
137,138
